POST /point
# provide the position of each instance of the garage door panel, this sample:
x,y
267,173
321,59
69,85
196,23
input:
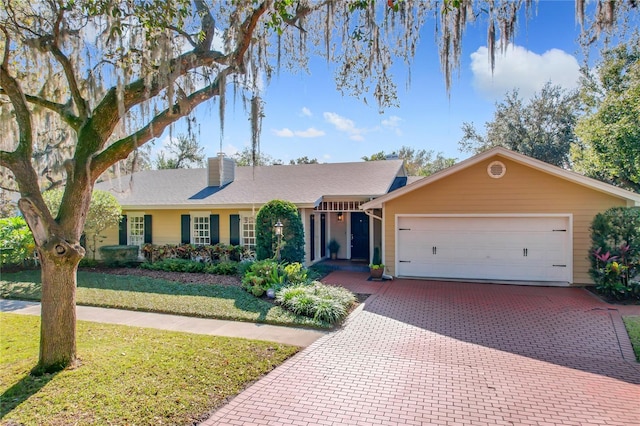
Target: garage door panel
x,y
501,248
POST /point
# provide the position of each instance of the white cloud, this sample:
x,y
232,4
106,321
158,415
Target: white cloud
x,y
524,70
393,122
345,125
306,112
309,133
230,150
288,133
284,133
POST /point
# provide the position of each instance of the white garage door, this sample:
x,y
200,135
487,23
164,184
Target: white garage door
x,y
519,248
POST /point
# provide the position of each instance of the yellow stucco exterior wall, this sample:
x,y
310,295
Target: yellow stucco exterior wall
x,y
166,224
521,190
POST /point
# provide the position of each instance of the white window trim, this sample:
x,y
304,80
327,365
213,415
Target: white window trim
x,y
130,216
243,239
195,215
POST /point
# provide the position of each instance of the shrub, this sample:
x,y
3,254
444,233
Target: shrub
x,y
206,254
222,268
16,241
268,274
119,255
86,262
265,274
316,300
295,273
615,253
292,243
175,265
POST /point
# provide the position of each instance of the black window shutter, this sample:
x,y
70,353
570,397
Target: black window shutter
x,y
185,221
147,229
122,231
214,228
234,225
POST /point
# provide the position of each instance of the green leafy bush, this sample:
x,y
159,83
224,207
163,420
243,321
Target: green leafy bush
x,y
292,242
16,241
316,300
615,253
265,274
222,268
269,274
208,254
175,265
119,255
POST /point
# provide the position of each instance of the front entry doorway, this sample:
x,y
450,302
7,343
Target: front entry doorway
x,y
359,236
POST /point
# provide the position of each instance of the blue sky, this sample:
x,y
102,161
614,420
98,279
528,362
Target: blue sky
x,y
306,116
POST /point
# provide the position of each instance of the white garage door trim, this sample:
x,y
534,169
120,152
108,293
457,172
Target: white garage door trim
x,y
565,277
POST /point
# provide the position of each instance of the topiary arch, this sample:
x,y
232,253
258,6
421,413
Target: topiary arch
x,y
292,249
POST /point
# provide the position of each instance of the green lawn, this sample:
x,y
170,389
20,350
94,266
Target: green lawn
x,y
633,328
154,295
127,375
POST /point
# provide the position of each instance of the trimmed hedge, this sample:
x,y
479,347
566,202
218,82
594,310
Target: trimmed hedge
x,y
292,243
119,255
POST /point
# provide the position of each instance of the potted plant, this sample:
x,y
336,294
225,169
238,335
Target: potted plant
x,y
334,247
376,267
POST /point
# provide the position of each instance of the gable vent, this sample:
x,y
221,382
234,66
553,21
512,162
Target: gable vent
x,y
496,169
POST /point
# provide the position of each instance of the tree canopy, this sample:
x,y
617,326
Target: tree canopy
x,y
184,152
542,127
609,133
418,162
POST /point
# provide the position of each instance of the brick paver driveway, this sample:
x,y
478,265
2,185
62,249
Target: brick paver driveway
x,y
455,353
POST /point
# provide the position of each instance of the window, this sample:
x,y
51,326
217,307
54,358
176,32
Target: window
x,y
136,230
200,234
249,232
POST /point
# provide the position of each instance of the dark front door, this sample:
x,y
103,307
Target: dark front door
x,y
359,236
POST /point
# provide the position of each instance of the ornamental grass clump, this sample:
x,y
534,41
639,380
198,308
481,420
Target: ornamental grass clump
x,y
318,301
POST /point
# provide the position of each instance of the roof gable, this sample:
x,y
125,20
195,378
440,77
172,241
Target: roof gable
x,y
497,152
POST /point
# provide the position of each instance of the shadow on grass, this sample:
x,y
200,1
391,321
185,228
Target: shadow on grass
x,y
28,386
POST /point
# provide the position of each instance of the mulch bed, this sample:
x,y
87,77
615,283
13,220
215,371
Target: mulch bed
x,y
611,300
182,277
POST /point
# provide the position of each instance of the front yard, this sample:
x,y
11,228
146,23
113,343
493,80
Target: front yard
x,y
142,293
127,375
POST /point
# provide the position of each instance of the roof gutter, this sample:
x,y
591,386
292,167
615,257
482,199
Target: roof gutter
x,y
369,212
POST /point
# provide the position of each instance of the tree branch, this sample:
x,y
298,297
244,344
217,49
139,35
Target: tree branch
x,y
248,28
208,25
14,92
61,109
137,92
119,150
81,103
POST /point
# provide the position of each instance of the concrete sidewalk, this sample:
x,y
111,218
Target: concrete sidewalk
x,y
288,335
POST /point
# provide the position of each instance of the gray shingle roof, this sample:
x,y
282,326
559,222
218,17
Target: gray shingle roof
x,y
303,184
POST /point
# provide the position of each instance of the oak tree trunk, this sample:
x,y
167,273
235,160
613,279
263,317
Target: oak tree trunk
x,y
59,263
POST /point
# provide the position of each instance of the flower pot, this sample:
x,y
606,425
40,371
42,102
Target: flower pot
x,y
376,274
